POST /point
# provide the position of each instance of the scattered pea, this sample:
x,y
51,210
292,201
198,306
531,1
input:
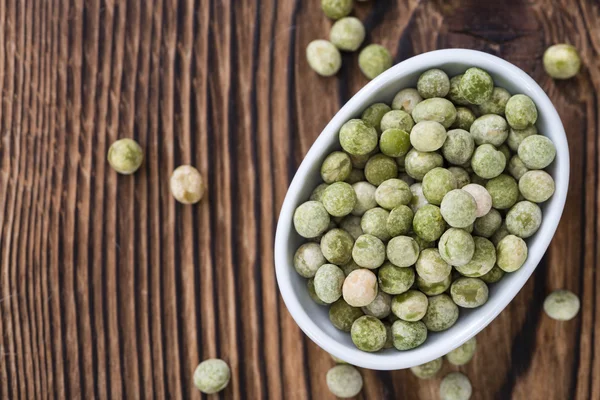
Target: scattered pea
x,y
455,386
187,185
373,60
427,370
463,353
126,156
336,9
561,61
212,376
562,305
323,57
347,33
344,381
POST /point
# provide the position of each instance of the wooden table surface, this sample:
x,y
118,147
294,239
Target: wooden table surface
x,y
111,289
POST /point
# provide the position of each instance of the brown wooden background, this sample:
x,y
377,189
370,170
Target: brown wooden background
x,y
109,289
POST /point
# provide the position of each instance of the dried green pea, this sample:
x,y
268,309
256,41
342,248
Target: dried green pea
x,y
373,115
562,305
406,100
125,156
511,253
393,193
435,109
344,381
428,136
368,333
399,221
328,283
504,191
491,129
373,60
454,93
458,208
487,225
521,111
347,33
469,292
516,136
461,176
410,306
496,104
458,147
396,119
323,57
441,314
483,259
431,266
374,222
381,307
408,335
464,119
537,152
336,9
476,86
336,167
463,353
433,288
516,167
307,259
436,184
342,315
433,83
311,219
365,198
357,138
487,162
419,163
493,276
427,370
395,280
394,142
524,219
428,223
455,386
339,199
380,168
402,251
562,61
536,186
456,247
368,252
212,376
336,246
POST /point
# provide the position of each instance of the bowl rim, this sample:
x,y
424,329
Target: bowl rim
x,y
421,62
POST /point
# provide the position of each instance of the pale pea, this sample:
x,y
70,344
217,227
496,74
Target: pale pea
x,y
360,288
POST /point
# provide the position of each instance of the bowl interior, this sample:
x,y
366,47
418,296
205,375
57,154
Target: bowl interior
x,y
312,318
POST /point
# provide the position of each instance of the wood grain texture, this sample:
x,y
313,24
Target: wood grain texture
x,y
110,289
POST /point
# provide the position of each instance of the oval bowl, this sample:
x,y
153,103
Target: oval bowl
x,y
312,318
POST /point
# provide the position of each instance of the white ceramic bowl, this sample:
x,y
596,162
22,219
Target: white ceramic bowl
x,y
312,318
